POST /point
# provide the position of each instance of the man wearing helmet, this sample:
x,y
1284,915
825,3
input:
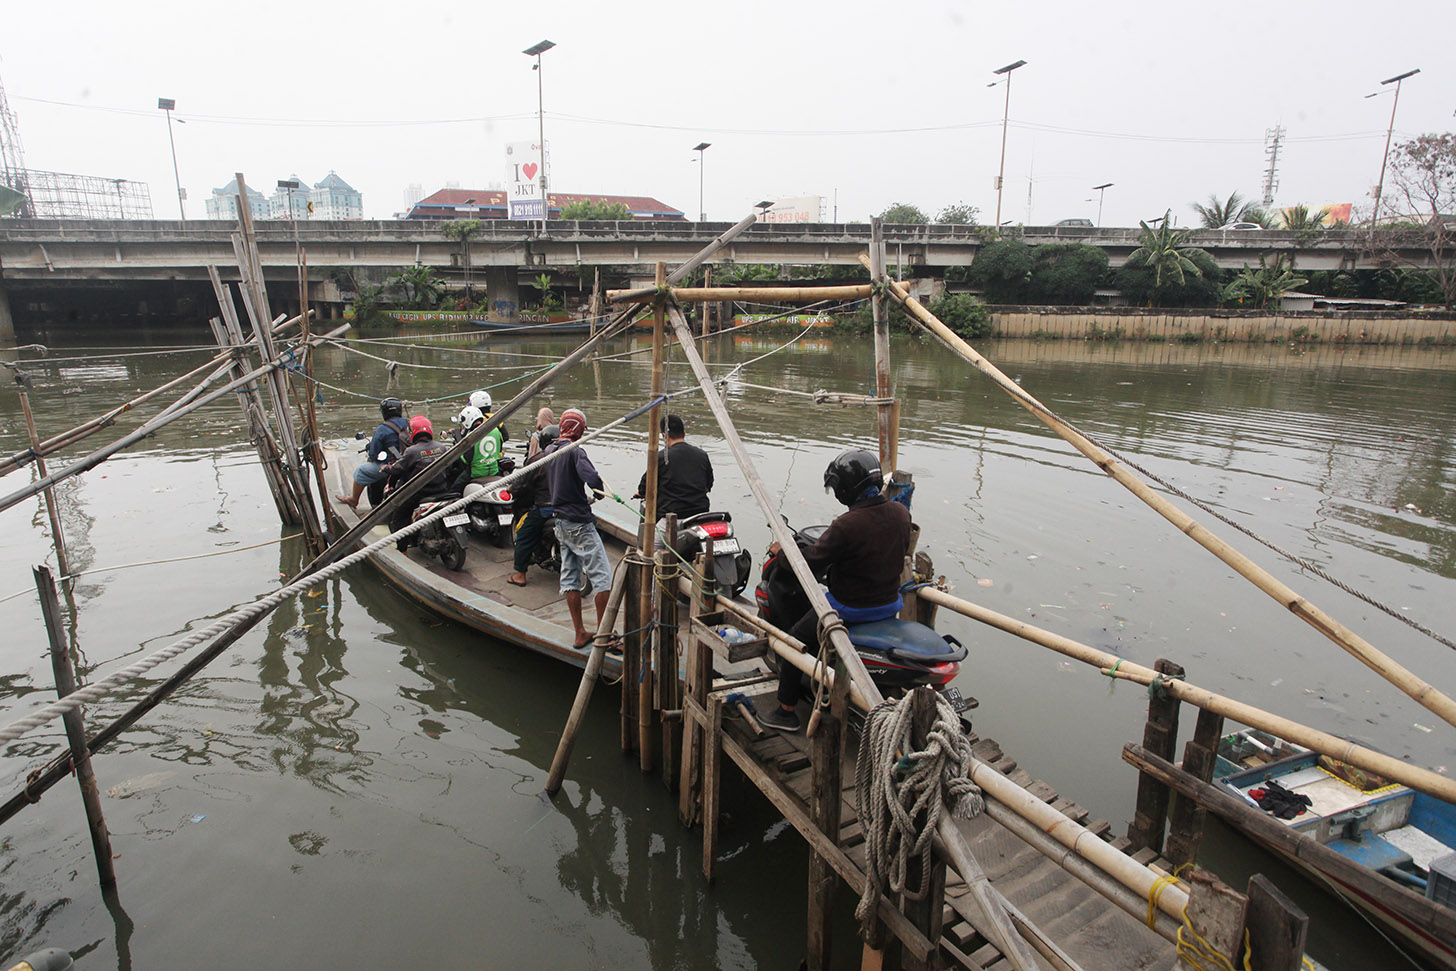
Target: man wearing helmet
x,y
582,551
422,451
387,440
863,551
531,504
483,459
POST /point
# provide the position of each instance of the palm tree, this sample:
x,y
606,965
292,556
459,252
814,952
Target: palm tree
x,y
1301,218
463,230
1234,209
1166,252
419,286
1262,287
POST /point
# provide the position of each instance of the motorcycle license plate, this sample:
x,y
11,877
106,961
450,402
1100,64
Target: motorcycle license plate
x,y
953,695
458,519
725,546
503,518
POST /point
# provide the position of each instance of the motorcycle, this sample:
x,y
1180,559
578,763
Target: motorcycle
x,y
732,564
444,537
899,654
489,514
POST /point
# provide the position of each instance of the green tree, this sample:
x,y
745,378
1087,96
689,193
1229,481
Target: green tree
x,y
418,287
549,300
964,314
958,214
1235,209
1066,273
904,212
599,209
1002,270
1262,288
1166,254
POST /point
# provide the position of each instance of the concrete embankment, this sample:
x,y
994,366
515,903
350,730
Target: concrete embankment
x,y
1127,323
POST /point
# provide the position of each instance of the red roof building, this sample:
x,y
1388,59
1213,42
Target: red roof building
x,y
491,204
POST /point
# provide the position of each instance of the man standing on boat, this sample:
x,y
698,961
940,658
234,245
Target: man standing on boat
x,y
684,475
863,551
582,552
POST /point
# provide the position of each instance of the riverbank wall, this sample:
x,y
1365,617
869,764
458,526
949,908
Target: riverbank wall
x,y
1254,327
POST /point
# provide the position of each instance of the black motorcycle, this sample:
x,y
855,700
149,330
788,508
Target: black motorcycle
x,y
899,654
445,537
732,564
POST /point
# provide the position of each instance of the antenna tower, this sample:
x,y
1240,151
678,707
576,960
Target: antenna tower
x,y
12,157
1272,138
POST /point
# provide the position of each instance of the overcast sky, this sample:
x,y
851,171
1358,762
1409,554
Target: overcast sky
x,y
877,102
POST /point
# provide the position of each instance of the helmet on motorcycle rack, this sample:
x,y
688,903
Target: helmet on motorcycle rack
x,y
547,435
420,427
469,416
391,408
851,473
481,400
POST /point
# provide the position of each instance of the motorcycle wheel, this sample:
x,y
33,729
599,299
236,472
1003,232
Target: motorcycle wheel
x,y
501,536
453,555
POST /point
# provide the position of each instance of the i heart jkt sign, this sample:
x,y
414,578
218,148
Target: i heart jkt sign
x,y
524,168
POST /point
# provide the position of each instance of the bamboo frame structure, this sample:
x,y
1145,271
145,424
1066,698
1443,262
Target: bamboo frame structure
x,y
1362,650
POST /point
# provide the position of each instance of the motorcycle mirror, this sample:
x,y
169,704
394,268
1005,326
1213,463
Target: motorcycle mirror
x,y
383,456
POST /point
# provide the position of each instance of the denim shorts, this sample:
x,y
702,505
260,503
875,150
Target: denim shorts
x,y
582,551
369,473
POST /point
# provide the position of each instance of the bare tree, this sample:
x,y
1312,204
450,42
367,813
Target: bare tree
x,y
1423,190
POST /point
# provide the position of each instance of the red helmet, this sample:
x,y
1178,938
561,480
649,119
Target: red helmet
x,y
420,425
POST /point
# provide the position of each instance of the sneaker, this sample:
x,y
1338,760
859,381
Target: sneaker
x,y
777,718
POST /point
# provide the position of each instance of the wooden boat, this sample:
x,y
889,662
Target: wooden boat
x,y
1387,849
534,616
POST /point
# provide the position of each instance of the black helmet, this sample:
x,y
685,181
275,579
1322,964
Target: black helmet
x,y
391,408
851,473
548,435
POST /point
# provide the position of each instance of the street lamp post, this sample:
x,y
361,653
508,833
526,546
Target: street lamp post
x,y
700,148
169,105
1005,114
1101,190
536,50
1380,186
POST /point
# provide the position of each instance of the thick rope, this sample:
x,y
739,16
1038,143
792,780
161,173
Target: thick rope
x,y
901,797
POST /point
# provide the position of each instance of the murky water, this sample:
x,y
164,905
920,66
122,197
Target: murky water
x,y
358,781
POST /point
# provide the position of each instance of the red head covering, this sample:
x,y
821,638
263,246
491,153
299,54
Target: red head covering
x,y
573,424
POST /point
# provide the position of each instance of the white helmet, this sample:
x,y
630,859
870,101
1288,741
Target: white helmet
x,y
469,415
481,400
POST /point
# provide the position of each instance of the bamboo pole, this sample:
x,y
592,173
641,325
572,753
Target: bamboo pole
x,y
588,682
102,454
313,450
58,537
75,727
647,587
850,665
619,324
882,349
1331,745
848,291
669,688
1362,650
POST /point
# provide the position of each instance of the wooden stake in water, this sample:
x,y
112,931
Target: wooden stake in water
x,y
23,380
75,727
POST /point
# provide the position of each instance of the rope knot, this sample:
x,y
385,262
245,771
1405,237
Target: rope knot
x,y
1157,688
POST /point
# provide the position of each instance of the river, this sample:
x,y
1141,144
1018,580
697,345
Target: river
x,y
359,782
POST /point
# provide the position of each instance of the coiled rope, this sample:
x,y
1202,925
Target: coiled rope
x,y
902,796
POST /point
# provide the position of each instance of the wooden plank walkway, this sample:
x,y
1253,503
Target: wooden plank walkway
x,y
1090,929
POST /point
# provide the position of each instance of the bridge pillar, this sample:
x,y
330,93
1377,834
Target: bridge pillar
x,y
502,293
7,322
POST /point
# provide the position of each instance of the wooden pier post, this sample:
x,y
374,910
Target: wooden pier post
x,y
825,802
712,765
1216,914
882,349
669,688
1160,736
22,381
1277,928
631,655
928,912
698,683
1185,821
75,727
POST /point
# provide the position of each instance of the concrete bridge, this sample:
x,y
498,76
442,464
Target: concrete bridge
x,y
42,255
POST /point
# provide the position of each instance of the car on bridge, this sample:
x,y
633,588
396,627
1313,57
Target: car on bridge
x,y
1075,223
1240,226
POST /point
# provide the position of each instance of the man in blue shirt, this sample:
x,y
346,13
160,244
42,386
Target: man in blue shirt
x,y
386,440
581,546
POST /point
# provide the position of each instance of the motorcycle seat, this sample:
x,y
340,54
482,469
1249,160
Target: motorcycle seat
x,y
906,639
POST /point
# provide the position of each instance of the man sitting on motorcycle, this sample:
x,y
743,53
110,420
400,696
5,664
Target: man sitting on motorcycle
x,y
386,440
531,503
863,551
684,475
483,461
422,451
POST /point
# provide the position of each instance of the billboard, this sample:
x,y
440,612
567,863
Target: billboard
x,y
524,161
800,209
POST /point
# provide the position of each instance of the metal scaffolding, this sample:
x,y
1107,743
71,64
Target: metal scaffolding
x,y
60,195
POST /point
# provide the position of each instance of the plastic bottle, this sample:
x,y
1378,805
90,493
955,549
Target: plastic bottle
x,y
733,635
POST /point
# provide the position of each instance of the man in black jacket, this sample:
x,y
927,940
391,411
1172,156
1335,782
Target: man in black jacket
x,y
684,474
863,551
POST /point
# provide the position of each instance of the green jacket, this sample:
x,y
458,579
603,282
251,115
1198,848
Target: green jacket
x,y
485,455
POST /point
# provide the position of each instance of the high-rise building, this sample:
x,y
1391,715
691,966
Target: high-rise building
x,y
223,203
333,198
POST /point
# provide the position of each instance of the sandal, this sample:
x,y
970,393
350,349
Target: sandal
x,y
514,582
